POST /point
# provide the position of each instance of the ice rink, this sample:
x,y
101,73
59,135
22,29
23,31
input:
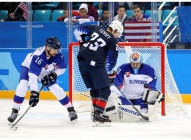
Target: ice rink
x,y
49,120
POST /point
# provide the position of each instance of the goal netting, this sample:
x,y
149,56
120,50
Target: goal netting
x,y
153,54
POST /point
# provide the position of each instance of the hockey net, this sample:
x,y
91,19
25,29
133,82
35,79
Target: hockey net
x,y
153,54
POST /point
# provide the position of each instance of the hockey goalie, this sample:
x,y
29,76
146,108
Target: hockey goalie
x,y
134,94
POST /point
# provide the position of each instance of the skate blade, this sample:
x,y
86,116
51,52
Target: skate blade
x,y
99,124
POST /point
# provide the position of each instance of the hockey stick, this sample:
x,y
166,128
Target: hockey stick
x,y
25,112
142,116
85,95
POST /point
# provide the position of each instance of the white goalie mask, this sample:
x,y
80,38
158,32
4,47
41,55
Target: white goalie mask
x,y
117,25
136,60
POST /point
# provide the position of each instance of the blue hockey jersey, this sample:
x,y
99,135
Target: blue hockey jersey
x,y
100,49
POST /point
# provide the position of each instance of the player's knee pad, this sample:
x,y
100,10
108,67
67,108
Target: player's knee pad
x,y
57,91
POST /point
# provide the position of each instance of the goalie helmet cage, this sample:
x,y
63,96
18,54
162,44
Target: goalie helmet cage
x,y
154,54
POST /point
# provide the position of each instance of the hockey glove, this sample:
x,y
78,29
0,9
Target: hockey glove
x,y
112,76
146,86
34,98
49,79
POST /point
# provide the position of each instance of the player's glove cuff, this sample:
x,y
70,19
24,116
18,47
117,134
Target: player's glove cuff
x,y
112,74
81,42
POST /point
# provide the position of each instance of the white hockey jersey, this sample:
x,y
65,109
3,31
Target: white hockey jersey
x,y
133,84
39,65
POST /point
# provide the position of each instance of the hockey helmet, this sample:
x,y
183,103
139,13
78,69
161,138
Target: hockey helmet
x,y
117,25
136,60
53,43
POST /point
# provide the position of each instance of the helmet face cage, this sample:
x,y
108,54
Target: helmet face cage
x,y
136,60
117,25
53,43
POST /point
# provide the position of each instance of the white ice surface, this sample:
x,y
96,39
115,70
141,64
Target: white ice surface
x,y
49,120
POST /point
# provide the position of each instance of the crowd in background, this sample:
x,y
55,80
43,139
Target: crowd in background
x,y
15,13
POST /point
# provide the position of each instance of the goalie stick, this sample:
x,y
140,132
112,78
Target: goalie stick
x,y
15,128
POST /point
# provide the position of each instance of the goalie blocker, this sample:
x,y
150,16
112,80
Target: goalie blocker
x,y
125,113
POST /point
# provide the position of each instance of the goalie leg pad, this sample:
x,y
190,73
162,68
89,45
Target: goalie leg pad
x,y
125,113
112,104
153,117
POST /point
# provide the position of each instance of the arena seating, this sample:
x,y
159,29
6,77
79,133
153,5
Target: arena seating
x,y
52,15
166,13
129,12
42,15
3,14
56,14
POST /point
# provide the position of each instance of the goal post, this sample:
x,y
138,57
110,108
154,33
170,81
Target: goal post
x,y
154,54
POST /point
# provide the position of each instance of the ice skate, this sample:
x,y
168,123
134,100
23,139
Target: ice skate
x,y
72,114
13,115
101,120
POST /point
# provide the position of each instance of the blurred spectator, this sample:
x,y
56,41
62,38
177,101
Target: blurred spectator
x,y
74,13
92,11
84,17
104,19
14,12
138,16
105,15
121,15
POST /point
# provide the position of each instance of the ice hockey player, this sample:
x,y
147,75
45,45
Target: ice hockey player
x,y
45,64
137,81
96,58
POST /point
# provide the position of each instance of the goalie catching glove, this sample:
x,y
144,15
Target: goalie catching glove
x,y
49,79
151,96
